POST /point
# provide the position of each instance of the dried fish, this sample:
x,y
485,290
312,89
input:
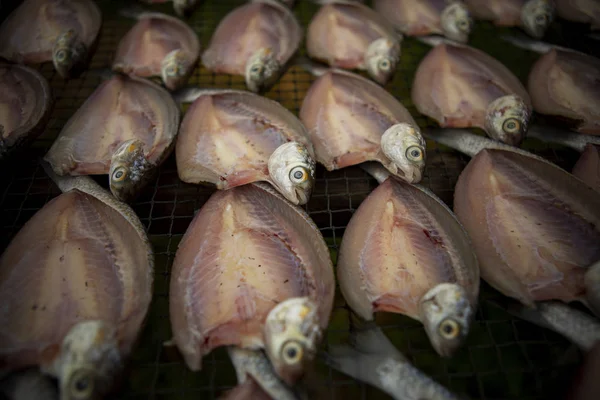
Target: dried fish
x,y
534,226
552,134
587,167
534,16
352,120
425,17
350,35
567,84
413,258
126,128
255,40
61,31
25,105
75,287
158,45
584,11
234,137
183,8
462,87
252,272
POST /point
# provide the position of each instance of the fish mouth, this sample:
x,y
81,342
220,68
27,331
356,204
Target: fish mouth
x,y
302,195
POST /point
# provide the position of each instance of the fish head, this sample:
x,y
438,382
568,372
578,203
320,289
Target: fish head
x,y
292,171
381,59
175,69
184,8
536,16
89,361
69,54
262,70
128,169
292,333
404,145
446,314
507,119
456,22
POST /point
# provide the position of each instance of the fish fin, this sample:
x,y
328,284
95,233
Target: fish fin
x,y
528,43
592,288
376,170
255,364
577,326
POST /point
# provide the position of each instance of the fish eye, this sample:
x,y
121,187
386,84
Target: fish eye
x,y
449,329
171,70
463,24
255,69
61,55
511,125
385,64
82,385
299,175
292,352
119,174
414,153
541,19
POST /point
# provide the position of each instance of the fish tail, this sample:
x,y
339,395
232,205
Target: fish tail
x,y
462,140
310,66
373,359
577,326
376,170
435,40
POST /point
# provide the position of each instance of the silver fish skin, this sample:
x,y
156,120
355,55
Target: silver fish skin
x,y
25,105
576,141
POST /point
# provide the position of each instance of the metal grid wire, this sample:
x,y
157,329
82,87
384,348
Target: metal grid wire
x,y
503,358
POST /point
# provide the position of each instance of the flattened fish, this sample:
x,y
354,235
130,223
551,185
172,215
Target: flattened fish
x,y
350,35
159,45
75,287
587,167
405,252
252,272
584,11
126,129
234,137
534,227
352,120
462,87
566,84
424,17
25,105
255,40
183,8
61,31
534,16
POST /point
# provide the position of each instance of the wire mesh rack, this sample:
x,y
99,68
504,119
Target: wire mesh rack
x,y
503,358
